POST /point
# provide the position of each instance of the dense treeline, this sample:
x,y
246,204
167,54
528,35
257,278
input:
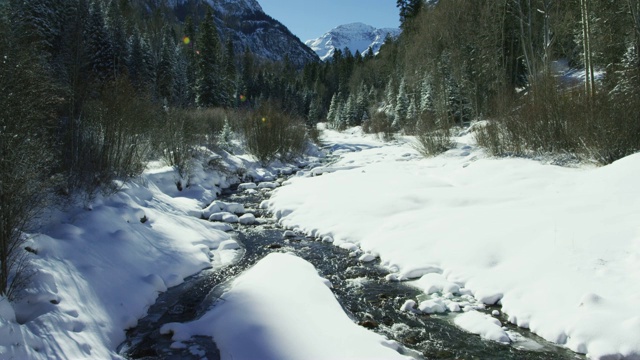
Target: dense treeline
x,y
94,89
462,60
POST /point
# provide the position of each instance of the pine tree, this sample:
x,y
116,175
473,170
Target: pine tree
x,y
426,97
40,22
166,66
314,112
189,42
139,61
181,91
362,104
116,26
99,44
248,73
402,106
350,111
333,109
412,113
209,84
230,75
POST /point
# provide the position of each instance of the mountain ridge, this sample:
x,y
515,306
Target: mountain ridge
x,y
355,36
248,26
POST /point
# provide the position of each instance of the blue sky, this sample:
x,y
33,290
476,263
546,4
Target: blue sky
x,y
309,19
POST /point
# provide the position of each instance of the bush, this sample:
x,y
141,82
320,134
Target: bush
x,y
380,124
208,123
313,133
554,121
433,138
111,139
268,133
175,137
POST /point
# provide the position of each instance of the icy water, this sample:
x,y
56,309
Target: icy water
x,y
362,290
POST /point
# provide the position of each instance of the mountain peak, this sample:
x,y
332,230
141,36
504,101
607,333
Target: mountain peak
x,y
355,36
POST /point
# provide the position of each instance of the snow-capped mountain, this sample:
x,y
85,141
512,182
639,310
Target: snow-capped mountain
x,y
355,36
246,24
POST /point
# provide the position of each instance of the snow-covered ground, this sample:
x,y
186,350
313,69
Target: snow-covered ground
x,y
281,309
101,263
557,247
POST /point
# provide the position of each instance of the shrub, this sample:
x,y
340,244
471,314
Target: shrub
x,y
433,137
380,124
555,121
268,133
111,138
175,138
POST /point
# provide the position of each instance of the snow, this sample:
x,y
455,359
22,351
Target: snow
x,y
484,325
432,306
267,185
101,263
247,186
247,219
355,36
558,248
224,216
367,258
282,309
433,283
229,245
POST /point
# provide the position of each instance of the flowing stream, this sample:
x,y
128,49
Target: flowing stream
x,y
362,290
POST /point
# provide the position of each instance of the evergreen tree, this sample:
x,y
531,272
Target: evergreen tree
x,y
209,87
350,111
116,26
412,113
40,22
181,91
139,61
426,98
408,9
402,106
333,109
230,75
99,44
315,112
189,43
165,82
248,76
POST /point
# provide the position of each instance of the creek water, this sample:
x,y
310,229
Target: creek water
x,y
362,290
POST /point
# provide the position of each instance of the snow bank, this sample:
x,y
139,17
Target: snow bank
x,y
558,248
487,327
281,309
100,265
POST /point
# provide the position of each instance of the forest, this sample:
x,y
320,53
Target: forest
x,y
94,89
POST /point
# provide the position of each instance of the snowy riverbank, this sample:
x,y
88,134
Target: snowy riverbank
x,y
558,248
100,264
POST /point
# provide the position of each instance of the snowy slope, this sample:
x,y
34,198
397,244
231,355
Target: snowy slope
x,y
558,248
100,264
355,36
